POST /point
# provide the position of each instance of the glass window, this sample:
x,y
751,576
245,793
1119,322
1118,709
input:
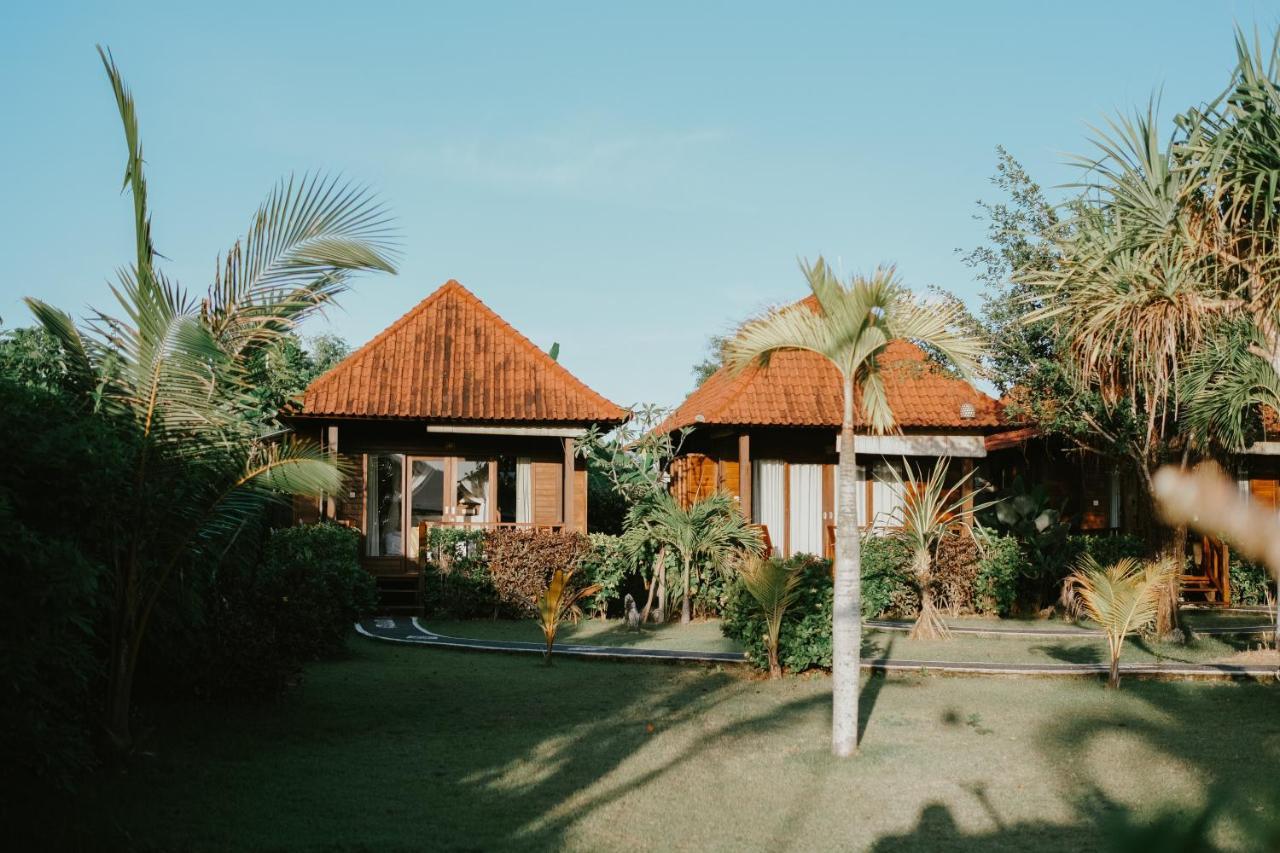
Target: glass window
x,y
427,501
507,476
385,505
472,502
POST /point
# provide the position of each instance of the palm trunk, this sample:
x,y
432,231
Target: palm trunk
x,y
653,585
686,606
662,585
1113,680
775,668
929,624
846,628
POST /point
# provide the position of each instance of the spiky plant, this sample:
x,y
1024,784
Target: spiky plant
x,y
170,368
557,603
773,585
929,509
1121,598
851,327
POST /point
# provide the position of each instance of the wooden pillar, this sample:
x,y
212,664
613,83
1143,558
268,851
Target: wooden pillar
x,y
566,511
329,503
744,474
966,470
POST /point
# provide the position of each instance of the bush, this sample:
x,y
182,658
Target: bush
x,y
887,585
955,571
479,573
1250,583
455,579
805,639
605,563
268,617
55,549
1105,549
995,587
521,561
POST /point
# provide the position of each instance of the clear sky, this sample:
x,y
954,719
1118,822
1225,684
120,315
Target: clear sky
x,y
626,179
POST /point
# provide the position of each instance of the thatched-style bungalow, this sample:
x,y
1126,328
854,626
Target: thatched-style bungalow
x,y
768,436
450,416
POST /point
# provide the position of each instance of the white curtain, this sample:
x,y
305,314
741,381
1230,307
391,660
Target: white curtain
x,y
806,510
767,497
373,533
886,497
524,490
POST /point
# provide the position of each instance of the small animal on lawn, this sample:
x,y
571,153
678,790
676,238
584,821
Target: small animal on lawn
x,y
633,615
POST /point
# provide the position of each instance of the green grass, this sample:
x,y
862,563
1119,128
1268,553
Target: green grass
x,y
399,748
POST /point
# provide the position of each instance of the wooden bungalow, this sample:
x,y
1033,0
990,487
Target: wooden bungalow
x,y
449,417
768,436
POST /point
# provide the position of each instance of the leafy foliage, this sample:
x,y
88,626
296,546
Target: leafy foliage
x,y
1120,598
557,602
995,585
1250,583
523,561
804,638
605,564
772,584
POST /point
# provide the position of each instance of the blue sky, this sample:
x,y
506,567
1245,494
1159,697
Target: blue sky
x,y
626,179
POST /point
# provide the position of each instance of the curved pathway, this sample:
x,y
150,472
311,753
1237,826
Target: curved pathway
x,y
412,632
1058,630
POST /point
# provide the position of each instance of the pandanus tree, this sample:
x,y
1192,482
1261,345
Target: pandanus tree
x,y
930,509
710,531
170,369
1167,289
851,327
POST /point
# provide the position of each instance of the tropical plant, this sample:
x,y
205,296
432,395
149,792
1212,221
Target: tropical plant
x,y
772,583
850,326
1122,598
635,460
558,602
171,368
929,509
711,531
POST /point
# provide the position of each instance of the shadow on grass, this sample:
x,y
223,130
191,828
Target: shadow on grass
x,y
1071,652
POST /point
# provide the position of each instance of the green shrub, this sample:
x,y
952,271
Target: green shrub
x,y
455,578
995,589
312,575
805,639
887,586
605,563
269,616
1250,583
55,547
1105,549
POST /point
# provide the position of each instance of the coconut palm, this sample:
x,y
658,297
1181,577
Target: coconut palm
x,y
851,327
929,509
773,585
170,369
1123,597
712,530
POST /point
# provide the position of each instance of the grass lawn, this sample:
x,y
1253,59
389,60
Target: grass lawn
x,y
399,748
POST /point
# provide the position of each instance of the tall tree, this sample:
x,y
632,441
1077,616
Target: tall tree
x,y
172,370
851,328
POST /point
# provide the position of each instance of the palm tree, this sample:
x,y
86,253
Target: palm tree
x,y
712,530
851,328
1121,598
773,585
558,602
171,370
929,509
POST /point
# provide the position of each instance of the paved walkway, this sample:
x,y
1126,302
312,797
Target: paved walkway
x,y
1057,630
411,632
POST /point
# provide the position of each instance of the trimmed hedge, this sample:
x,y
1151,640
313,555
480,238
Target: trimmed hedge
x,y
499,572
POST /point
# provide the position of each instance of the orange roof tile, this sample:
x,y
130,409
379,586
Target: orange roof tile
x,y
801,388
452,358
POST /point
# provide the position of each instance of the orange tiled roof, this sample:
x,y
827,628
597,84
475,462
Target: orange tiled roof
x,y
801,388
452,358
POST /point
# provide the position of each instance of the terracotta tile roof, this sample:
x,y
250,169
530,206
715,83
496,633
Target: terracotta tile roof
x,y
801,388
452,358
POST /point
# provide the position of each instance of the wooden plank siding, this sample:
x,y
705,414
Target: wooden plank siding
x,y
548,483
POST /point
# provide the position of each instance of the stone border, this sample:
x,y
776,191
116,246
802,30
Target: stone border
x,y
393,630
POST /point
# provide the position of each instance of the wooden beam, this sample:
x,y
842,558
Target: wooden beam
x,y
566,517
744,474
330,504
966,470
